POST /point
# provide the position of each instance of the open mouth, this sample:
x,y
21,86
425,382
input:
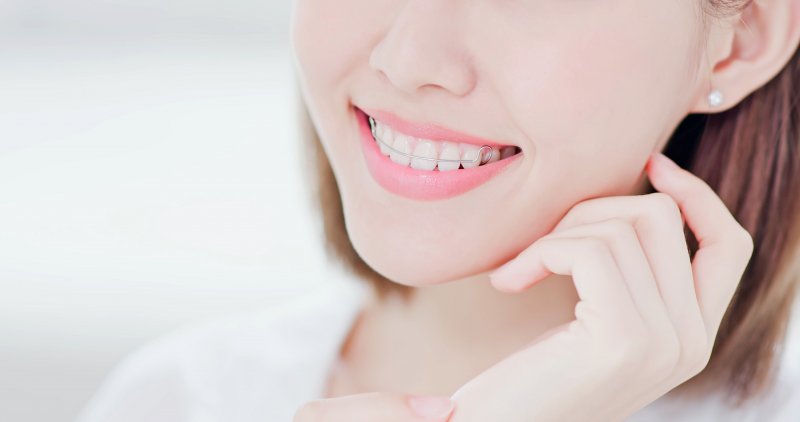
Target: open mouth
x,y
430,167
432,154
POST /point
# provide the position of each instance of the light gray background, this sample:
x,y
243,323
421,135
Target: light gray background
x,y
149,178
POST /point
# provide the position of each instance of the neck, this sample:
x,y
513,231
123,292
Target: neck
x,y
470,313
445,334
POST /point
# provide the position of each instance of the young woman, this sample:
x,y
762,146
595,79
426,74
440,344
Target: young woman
x,y
494,169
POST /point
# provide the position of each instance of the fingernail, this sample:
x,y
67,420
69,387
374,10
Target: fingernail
x,y
666,161
431,406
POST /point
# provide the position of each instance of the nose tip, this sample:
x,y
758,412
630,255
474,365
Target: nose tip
x,y
421,50
411,75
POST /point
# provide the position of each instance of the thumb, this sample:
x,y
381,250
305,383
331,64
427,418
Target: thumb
x,y
376,406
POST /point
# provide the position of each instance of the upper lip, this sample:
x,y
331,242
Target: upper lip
x,y
428,130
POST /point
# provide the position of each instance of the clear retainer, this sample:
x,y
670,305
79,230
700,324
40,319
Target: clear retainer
x,y
373,128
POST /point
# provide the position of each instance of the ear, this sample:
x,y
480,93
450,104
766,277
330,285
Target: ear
x,y
747,51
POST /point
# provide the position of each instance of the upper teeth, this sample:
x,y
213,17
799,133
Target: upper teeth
x,y
426,154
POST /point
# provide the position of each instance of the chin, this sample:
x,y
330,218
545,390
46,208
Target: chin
x,y
412,261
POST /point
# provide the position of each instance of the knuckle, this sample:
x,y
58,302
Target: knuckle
x,y
697,354
621,228
664,204
585,207
746,240
704,360
699,364
698,359
619,225
572,216
595,246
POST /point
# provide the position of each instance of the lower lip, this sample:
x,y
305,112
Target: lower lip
x,y
423,185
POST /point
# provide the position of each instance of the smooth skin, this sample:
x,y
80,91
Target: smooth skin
x,y
597,288
646,320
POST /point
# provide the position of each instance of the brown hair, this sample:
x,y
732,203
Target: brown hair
x,y
749,156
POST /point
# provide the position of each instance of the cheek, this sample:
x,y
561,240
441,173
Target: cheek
x,y
331,38
316,32
596,101
325,56
328,39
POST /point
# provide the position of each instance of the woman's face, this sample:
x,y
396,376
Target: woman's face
x,y
586,89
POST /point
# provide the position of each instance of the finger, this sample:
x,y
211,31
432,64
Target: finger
x,y
724,246
594,272
659,227
605,311
630,257
376,406
664,343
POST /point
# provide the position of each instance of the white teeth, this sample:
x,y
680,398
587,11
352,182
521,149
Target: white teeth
x,y
424,149
470,153
401,143
387,137
450,151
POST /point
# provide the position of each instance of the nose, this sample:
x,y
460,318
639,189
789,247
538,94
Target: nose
x,y
423,47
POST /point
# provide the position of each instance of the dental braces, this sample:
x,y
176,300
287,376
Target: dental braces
x,y
373,129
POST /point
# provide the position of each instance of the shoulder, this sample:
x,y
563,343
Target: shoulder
x,y
241,366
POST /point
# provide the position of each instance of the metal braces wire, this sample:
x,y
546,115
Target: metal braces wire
x,y
373,128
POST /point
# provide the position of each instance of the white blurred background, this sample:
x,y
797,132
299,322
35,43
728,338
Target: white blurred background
x,y
149,178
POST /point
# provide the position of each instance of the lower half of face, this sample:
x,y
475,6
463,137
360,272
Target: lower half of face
x,y
584,104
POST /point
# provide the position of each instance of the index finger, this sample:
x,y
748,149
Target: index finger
x,y
724,246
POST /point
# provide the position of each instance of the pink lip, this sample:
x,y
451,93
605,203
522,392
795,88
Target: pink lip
x,y
422,184
428,130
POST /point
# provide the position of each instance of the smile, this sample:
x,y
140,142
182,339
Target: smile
x,y
433,155
439,164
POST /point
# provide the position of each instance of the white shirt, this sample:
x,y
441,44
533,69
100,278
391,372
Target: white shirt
x,y
263,366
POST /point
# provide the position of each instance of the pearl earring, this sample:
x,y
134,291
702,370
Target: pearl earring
x,y
715,98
